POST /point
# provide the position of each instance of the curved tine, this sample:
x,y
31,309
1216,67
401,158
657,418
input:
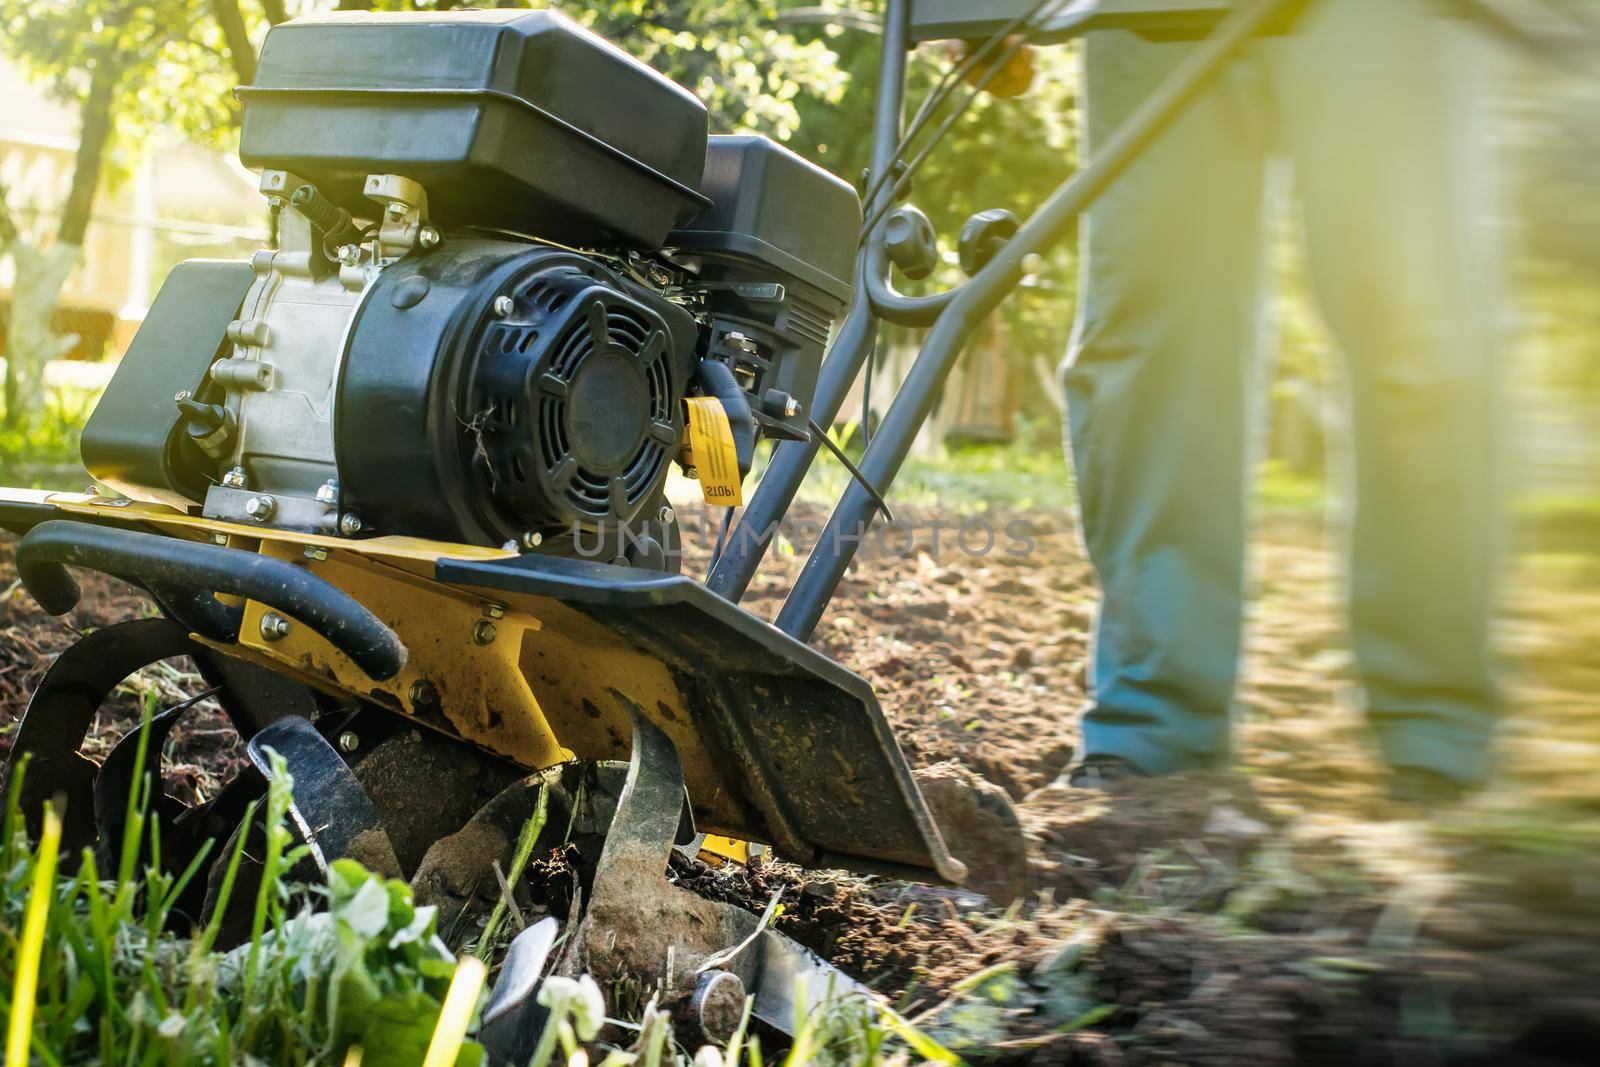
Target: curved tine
x,y
513,1020
115,781
331,811
62,710
650,809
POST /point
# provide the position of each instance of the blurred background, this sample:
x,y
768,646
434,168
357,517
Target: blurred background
x,y
118,130
117,161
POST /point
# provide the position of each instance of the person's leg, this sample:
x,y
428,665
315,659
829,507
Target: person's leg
x,y
1383,122
1158,385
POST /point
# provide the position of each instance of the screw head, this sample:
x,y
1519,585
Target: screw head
x,y
349,524
532,539
235,478
428,238
504,305
313,552
397,211
181,396
739,342
349,741
274,627
260,508
493,611
423,692
350,255
327,492
484,632
666,515
220,538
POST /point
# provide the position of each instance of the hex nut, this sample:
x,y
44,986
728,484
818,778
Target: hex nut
x,y
274,627
484,632
349,524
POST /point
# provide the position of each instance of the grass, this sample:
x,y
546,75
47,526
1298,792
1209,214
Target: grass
x,y
42,453
349,971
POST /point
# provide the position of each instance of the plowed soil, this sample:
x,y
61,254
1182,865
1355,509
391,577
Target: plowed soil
x,y
1279,912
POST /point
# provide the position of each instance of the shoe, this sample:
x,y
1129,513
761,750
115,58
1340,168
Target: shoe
x,y
1101,773
1425,790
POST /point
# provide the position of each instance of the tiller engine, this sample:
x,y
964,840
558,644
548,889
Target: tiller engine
x,y
397,486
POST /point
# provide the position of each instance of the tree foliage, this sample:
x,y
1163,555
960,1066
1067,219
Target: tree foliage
x,y
131,68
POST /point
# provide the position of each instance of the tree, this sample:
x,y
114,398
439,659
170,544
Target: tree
x,y
130,67
101,56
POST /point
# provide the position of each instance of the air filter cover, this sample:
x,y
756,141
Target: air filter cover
x,y
515,119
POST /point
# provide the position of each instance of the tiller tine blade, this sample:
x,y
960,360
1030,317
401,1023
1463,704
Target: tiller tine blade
x,y
330,810
704,956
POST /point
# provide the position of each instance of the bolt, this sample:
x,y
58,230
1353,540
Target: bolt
x,y
182,395
532,539
235,478
274,627
350,255
692,473
493,611
423,693
349,741
260,508
312,552
503,306
220,538
666,515
397,211
713,1009
328,492
509,546
791,408
484,632
349,524
428,238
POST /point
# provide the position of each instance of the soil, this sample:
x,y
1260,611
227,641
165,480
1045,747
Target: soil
x,y
1277,912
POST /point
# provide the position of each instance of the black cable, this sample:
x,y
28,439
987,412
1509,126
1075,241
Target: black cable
x,y
855,472
947,85
907,172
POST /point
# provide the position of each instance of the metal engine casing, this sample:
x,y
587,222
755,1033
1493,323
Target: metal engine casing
x,y
277,384
454,373
484,391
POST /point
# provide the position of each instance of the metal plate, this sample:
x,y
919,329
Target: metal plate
x,y
779,743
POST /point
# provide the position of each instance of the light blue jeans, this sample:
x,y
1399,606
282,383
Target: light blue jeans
x,y
1375,106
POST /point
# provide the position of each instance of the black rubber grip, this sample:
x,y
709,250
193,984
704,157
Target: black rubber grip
x,y
46,552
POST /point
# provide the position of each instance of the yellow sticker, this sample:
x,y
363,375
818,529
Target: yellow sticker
x,y
712,452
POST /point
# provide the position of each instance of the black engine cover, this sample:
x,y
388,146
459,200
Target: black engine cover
x,y
490,390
